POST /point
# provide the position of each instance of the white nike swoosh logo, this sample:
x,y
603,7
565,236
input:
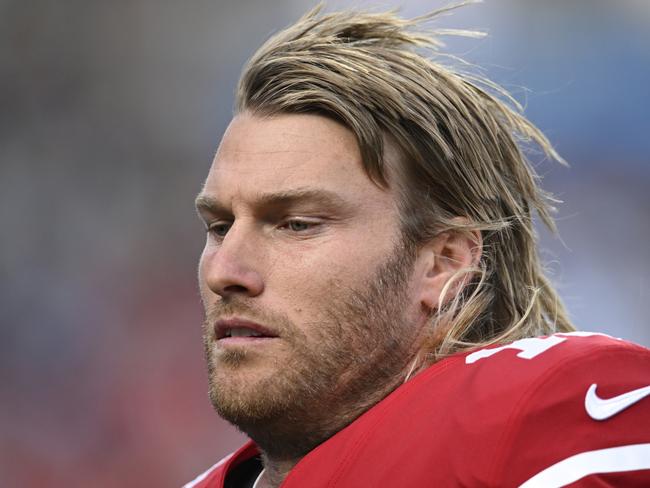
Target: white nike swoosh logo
x,y
604,408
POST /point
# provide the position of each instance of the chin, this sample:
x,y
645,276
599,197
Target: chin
x,y
248,396
243,385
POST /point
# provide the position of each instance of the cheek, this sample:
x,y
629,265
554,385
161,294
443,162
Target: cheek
x,y
324,269
347,258
311,291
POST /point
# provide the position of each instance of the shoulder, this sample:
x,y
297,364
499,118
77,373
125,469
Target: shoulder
x,y
501,415
577,405
554,366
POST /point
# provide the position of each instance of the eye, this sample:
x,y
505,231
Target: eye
x,y
299,225
219,229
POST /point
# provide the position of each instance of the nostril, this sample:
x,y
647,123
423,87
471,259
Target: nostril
x,y
235,289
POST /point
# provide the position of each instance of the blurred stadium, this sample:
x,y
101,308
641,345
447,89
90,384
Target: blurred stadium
x,y
110,113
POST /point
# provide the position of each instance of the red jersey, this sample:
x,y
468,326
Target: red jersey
x,y
565,410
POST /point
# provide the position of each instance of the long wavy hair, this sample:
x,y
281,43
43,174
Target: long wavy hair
x,y
461,141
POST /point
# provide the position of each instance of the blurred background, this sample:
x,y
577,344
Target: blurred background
x,y
110,113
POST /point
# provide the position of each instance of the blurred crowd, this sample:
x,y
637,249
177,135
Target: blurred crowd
x,y
110,113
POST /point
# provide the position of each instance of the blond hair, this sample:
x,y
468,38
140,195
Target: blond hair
x,y
460,138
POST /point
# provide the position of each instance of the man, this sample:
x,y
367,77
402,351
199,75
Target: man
x,y
376,313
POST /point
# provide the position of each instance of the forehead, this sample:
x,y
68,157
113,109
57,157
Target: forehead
x,y
285,152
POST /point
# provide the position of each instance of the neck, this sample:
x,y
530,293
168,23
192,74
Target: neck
x,y
275,471
285,443
293,435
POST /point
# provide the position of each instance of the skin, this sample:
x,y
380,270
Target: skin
x,y
301,242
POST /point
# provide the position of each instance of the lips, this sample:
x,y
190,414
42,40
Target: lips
x,y
241,328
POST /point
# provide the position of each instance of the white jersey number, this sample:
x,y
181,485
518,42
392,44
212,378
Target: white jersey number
x,y
530,347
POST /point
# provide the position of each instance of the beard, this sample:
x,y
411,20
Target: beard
x,y
356,352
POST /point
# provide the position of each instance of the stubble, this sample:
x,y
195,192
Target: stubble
x,y
353,356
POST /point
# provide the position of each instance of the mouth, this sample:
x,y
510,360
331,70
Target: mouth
x,y
236,330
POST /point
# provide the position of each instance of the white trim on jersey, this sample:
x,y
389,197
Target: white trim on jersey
x,y
610,460
204,475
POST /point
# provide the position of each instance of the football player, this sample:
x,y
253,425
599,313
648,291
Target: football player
x,y
376,312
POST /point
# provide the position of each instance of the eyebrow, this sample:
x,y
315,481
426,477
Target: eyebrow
x,y
285,198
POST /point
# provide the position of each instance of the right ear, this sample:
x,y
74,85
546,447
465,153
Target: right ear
x,y
442,258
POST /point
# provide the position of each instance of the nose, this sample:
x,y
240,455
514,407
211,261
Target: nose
x,y
230,268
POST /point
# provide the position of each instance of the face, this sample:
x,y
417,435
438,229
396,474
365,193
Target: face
x,y
309,294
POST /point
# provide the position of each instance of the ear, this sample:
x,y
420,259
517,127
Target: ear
x,y
441,260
